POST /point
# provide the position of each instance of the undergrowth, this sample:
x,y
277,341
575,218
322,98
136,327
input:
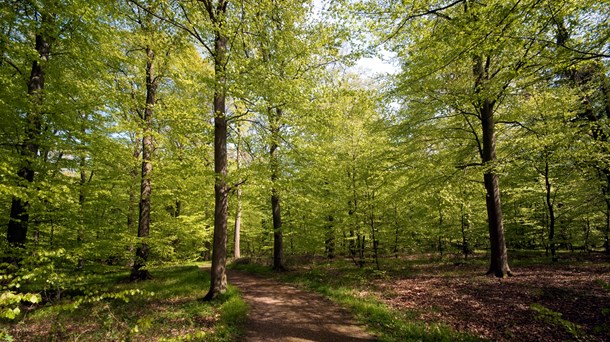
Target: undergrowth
x,y
165,308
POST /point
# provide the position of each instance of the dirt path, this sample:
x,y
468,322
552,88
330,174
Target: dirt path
x,y
280,312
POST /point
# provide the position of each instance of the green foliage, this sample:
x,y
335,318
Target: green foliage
x,y
166,307
555,318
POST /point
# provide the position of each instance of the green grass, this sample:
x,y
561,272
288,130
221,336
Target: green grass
x,y
166,308
346,285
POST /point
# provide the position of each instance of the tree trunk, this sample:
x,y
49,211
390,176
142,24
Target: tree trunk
x,y
278,263
440,230
396,231
19,216
138,272
353,207
499,256
551,210
329,242
218,281
607,228
485,107
465,228
237,234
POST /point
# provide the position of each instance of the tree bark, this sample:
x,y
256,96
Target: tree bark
x,y
329,242
551,210
485,107
138,272
499,256
19,215
237,233
237,236
218,281
278,248
465,225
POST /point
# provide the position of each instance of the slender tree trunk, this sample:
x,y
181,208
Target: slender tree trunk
x,y
329,242
19,215
278,248
237,233
81,207
465,228
138,271
353,207
218,281
374,231
361,248
587,234
237,236
551,210
440,230
178,210
607,228
396,230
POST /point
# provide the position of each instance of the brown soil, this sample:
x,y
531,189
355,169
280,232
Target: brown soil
x,y
279,312
503,309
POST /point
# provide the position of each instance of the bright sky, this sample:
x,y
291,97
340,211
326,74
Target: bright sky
x,y
374,66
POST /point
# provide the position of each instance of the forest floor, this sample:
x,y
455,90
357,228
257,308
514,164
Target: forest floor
x,y
280,312
110,308
449,298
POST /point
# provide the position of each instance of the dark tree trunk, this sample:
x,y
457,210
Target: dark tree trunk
x,y
19,216
139,272
551,210
465,228
218,281
499,256
485,107
178,210
278,248
607,228
329,242
361,248
440,232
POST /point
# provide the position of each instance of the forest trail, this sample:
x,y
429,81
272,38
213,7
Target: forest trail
x,y
280,312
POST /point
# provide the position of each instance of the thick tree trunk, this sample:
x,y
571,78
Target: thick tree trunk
x,y
138,272
278,248
218,281
499,256
485,107
19,216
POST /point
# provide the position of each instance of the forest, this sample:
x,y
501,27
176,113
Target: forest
x,y
360,149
